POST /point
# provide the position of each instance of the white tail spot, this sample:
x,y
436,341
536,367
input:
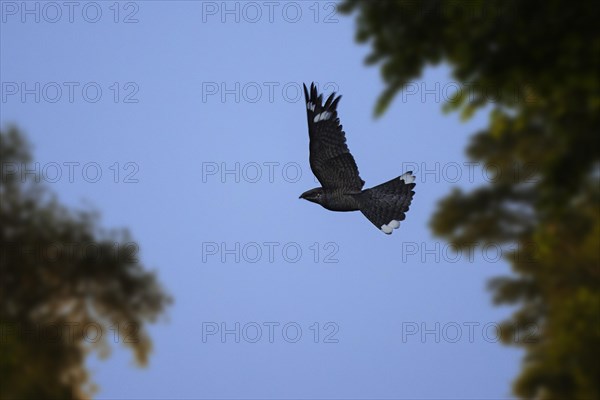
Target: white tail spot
x,y
390,226
408,178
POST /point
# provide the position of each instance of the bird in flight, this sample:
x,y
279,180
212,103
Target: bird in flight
x,y
384,205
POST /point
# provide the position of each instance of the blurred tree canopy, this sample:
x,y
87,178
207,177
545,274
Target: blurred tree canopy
x,y
546,144
67,287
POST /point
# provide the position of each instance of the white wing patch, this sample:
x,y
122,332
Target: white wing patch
x,y
310,106
408,178
323,116
390,226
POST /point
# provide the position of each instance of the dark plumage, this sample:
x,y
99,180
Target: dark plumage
x,y
384,205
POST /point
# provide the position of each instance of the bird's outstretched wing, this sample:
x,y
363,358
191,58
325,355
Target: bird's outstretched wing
x,y
330,159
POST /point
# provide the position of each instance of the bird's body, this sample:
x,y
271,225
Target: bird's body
x,y
340,200
384,205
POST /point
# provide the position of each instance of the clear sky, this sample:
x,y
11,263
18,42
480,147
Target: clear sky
x,y
198,103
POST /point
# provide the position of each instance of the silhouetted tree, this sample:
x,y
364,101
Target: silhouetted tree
x,y
543,138
66,287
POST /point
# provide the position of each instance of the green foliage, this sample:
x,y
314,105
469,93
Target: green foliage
x,y
546,142
60,275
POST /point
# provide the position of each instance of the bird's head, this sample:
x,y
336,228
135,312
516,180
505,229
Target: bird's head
x,y
315,195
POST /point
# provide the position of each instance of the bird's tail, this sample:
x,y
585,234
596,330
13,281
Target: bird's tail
x,y
386,205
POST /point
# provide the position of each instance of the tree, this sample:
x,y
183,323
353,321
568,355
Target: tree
x,y
546,143
67,287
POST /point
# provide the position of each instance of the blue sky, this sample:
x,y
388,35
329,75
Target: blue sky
x,y
188,91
